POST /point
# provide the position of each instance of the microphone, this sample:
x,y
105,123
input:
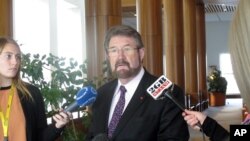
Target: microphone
x,y
84,97
161,88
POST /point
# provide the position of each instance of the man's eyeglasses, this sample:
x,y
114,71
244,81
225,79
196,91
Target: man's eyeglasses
x,y
126,50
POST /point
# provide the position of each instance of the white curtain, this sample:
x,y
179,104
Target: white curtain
x,y
239,47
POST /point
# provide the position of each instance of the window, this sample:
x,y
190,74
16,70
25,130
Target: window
x,y
227,72
51,26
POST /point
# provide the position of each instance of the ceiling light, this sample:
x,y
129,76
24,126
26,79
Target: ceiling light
x,y
224,7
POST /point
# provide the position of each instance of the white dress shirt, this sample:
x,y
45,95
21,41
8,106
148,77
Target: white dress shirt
x,y
130,87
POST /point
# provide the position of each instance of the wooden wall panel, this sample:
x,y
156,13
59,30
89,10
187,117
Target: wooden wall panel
x,y
100,15
173,41
6,16
190,49
150,26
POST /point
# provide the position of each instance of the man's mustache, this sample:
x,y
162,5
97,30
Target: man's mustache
x,y
121,62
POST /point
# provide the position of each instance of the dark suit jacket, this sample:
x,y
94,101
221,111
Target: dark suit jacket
x,y
144,119
35,118
214,130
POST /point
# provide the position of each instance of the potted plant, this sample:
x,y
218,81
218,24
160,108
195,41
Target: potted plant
x,y
217,86
67,77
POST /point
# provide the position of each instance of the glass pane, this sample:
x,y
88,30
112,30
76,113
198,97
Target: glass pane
x,y
51,26
31,25
70,31
227,72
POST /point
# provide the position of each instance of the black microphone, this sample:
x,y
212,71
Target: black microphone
x,y
84,97
163,87
100,137
161,84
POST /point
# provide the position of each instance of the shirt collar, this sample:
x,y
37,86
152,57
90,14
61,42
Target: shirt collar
x,y
132,85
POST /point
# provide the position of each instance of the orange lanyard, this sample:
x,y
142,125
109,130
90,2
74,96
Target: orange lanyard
x,y
5,118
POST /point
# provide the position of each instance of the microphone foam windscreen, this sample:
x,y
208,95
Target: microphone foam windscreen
x,y
86,96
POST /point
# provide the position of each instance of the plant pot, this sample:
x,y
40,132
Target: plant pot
x,y
217,99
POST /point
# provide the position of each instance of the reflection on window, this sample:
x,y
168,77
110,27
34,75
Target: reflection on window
x,y
227,72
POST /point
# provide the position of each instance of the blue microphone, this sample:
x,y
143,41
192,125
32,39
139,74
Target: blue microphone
x,y
84,97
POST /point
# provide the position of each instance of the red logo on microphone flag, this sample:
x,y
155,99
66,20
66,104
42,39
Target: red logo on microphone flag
x,y
158,86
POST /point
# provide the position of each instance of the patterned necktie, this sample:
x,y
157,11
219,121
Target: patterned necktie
x,y
117,112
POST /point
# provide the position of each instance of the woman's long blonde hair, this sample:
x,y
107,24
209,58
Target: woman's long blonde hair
x,y
17,81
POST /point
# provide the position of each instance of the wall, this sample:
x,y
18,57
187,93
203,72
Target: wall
x,y
216,44
216,41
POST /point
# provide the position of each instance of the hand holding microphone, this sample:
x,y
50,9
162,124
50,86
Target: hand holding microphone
x,y
193,118
84,97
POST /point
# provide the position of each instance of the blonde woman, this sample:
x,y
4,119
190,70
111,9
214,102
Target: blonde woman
x,y
22,110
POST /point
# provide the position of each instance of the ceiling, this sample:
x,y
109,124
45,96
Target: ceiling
x,y
219,10
215,10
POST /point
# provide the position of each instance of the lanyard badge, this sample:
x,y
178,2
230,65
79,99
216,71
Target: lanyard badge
x,y
5,117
